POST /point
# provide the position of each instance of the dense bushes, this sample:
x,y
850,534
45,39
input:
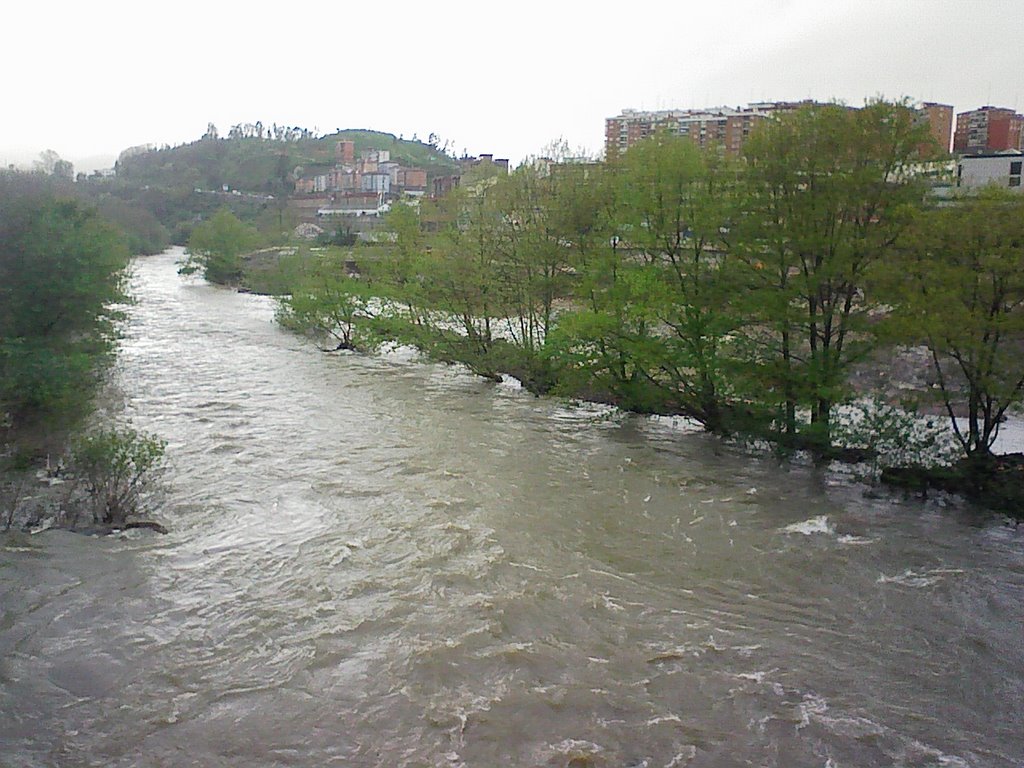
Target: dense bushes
x,y
61,271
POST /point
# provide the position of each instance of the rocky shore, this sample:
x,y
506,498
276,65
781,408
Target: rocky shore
x,y
47,497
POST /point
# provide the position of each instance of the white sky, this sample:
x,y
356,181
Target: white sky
x,y
92,78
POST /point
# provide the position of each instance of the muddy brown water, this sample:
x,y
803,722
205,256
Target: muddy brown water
x,y
380,562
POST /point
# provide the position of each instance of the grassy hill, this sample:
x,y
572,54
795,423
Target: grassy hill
x,y
263,166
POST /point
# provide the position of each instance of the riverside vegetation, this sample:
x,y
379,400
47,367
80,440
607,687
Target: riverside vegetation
x,y
738,293
62,268
64,250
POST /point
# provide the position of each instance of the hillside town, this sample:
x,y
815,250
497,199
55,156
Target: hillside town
x,y
986,146
361,189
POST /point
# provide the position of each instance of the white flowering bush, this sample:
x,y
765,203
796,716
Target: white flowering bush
x,y
896,437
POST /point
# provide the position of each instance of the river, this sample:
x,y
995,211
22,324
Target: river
x,y
379,562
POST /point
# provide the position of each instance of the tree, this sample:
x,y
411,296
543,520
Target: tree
x,y
596,346
533,258
281,184
143,232
48,159
444,299
61,271
959,288
328,303
63,169
828,193
457,287
656,282
216,246
403,221
674,205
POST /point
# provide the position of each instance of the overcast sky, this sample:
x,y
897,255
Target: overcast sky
x,y
91,78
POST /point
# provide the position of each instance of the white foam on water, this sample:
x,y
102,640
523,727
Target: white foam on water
x,y
909,751
911,578
682,758
812,706
851,540
677,424
755,677
819,524
664,719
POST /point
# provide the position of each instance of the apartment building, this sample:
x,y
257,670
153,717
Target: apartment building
x,y
726,127
729,127
988,129
939,118
704,126
345,152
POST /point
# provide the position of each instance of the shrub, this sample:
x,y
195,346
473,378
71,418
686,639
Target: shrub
x,y
895,437
116,466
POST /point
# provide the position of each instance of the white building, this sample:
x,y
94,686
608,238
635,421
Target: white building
x,y
375,182
1002,169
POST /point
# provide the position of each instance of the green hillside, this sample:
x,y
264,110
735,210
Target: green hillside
x,y
263,166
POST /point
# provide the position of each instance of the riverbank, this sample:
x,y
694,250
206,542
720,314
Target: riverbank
x,y
43,497
996,483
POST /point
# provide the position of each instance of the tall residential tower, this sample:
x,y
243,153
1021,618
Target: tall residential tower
x,y
988,129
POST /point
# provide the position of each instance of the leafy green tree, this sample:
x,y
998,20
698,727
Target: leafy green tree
x,y
61,272
457,286
143,232
443,292
959,288
581,210
403,221
600,349
216,246
329,303
829,191
675,204
534,258
481,176
64,169
655,282
595,345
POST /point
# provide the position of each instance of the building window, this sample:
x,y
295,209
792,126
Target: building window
x,y
1015,168
1015,181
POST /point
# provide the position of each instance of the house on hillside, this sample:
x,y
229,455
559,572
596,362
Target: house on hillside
x,y
410,181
